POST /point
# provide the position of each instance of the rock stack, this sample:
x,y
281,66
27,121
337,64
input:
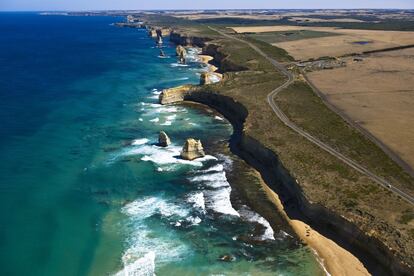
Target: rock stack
x,y
204,79
163,139
181,53
192,149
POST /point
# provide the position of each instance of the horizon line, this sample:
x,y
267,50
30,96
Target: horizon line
x,y
207,9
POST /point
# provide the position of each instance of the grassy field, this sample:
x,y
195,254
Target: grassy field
x,y
378,94
275,37
346,41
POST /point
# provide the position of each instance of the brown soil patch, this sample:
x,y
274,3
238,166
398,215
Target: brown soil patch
x,y
341,45
377,93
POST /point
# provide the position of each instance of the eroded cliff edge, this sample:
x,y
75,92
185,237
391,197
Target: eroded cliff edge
x,y
378,257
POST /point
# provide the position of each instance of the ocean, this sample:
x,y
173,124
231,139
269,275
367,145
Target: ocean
x,y
85,190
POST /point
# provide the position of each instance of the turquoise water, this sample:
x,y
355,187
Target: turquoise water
x,y
83,188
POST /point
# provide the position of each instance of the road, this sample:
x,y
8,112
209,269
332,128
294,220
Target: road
x,y
282,116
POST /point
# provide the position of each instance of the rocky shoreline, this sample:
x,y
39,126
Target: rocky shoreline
x,y
379,259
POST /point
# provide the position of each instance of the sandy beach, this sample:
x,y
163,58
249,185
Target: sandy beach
x,y
333,258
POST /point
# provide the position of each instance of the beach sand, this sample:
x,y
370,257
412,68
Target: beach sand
x,y
335,259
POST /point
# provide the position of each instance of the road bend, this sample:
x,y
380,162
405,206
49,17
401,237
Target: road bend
x,y
282,116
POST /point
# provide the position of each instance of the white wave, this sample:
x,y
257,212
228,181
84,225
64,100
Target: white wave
x,y
249,215
194,220
140,119
215,168
169,120
171,117
150,104
180,79
197,199
164,156
166,123
155,120
137,142
219,118
146,207
144,266
212,180
178,65
219,201
142,239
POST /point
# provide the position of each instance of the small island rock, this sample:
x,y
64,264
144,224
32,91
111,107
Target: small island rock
x,y
192,149
163,139
181,53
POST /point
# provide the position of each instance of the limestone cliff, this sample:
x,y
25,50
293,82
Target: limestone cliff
x,y
176,94
156,32
192,149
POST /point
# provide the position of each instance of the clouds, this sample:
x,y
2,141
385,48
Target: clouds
x,y
28,5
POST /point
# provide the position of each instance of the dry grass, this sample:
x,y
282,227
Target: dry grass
x,y
339,45
378,93
311,19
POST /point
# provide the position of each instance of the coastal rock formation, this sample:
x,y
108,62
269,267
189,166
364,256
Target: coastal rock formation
x,y
173,95
192,149
181,53
156,32
210,77
163,139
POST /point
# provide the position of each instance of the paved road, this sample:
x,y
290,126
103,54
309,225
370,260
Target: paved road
x,y
279,113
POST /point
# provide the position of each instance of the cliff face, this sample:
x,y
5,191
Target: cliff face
x,y
379,259
174,95
179,39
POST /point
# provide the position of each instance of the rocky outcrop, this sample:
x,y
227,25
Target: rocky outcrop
x,y
176,94
181,53
156,32
163,139
210,77
221,59
192,149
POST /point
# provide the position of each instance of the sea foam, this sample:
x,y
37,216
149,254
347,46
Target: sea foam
x,y
249,215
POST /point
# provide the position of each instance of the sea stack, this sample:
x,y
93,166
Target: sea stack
x,y
163,139
204,79
192,149
181,53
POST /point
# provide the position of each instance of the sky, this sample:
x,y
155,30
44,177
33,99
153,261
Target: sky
x,y
63,5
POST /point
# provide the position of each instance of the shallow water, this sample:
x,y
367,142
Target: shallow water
x,y
83,188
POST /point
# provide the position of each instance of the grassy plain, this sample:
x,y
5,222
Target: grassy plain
x,y
378,94
347,41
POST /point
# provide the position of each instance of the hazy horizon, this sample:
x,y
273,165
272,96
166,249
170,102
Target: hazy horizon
x,y
95,5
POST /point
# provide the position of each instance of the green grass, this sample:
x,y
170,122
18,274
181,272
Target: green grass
x,y
276,53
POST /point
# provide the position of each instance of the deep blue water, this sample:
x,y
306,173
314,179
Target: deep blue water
x,y
83,188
